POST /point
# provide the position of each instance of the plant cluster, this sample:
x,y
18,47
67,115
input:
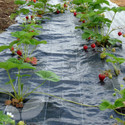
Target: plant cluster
x,y
97,28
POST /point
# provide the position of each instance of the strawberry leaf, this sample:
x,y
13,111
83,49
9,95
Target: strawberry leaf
x,y
26,66
4,47
119,103
48,75
105,105
5,118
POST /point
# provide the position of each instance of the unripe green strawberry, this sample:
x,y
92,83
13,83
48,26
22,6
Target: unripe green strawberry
x,y
114,94
113,49
102,55
115,89
62,11
104,49
111,116
71,11
121,85
21,123
12,122
110,75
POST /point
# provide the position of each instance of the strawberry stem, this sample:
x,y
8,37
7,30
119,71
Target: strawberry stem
x,y
66,100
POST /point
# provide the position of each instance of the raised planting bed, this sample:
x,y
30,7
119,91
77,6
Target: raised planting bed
x,y
62,63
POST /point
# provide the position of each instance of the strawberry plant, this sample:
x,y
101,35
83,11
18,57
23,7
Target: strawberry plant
x,y
6,119
119,104
25,39
115,61
92,12
20,94
38,8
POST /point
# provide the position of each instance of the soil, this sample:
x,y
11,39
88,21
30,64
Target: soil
x,y
119,2
6,8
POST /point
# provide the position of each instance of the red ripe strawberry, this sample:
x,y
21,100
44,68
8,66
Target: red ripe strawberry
x,y
27,60
65,5
33,58
57,11
75,13
32,17
85,47
34,1
83,21
89,38
34,63
101,77
27,17
12,48
29,5
93,45
119,33
32,31
19,52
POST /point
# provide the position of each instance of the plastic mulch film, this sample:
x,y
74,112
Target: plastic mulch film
x,y
77,69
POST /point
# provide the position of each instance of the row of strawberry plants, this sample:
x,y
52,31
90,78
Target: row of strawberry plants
x,y
21,47
97,28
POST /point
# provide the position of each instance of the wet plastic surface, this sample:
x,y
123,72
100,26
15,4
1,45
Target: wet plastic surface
x,y
77,69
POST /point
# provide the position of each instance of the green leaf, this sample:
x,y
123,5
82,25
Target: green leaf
x,y
14,42
38,5
20,2
5,118
85,35
48,75
26,66
4,47
111,55
7,65
110,60
24,11
36,42
15,60
105,105
13,15
114,41
119,120
119,103
122,92
15,63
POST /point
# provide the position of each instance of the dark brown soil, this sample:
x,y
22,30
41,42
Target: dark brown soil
x,y
119,2
6,8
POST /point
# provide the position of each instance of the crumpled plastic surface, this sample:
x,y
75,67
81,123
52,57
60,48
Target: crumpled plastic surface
x,y
78,71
